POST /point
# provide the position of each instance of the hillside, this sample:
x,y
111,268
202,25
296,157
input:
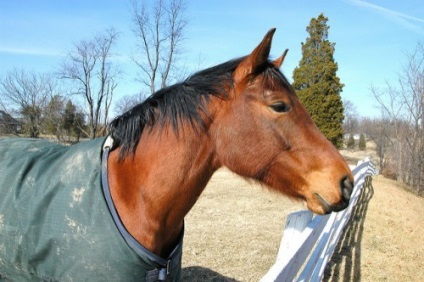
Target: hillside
x,y
233,233
393,241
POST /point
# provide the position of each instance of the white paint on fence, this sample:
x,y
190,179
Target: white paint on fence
x,y
308,241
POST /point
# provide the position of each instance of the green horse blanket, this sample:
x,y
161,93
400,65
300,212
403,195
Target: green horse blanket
x,y
58,222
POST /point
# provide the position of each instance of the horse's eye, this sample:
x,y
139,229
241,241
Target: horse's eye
x,y
280,107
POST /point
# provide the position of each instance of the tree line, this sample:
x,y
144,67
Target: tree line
x,y
76,100
87,78
398,132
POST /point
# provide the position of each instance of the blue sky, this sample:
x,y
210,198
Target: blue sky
x,y
372,37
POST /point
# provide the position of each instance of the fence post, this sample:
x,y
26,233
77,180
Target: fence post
x,y
295,224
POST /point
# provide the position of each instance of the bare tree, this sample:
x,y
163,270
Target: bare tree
x,y
94,77
127,102
411,84
160,30
28,93
381,132
351,117
404,107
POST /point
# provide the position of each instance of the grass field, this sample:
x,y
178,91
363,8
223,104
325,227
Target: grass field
x,y
234,230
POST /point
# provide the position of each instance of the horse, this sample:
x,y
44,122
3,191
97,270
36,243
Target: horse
x,y
125,196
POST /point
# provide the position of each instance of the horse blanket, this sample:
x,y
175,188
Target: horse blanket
x,y
57,224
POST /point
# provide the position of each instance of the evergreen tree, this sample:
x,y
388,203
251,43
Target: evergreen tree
x,y
73,121
69,118
79,126
317,84
53,117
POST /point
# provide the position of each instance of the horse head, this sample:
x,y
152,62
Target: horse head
x,y
264,132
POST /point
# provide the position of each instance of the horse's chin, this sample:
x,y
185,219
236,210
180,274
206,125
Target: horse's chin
x,y
319,205
317,208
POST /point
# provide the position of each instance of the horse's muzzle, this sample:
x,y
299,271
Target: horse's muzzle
x,y
346,188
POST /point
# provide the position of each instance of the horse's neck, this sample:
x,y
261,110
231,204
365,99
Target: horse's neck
x,y
155,189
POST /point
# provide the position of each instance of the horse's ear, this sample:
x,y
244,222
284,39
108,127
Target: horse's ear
x,y
256,59
279,61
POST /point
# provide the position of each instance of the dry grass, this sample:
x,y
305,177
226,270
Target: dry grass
x,y
353,156
393,243
234,230
233,234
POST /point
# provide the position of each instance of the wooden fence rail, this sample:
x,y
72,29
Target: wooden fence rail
x,y
308,241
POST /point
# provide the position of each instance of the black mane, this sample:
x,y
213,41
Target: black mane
x,y
181,101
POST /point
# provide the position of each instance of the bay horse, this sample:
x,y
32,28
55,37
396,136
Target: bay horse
x,y
126,196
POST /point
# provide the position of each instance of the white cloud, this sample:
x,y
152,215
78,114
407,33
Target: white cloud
x,y
410,22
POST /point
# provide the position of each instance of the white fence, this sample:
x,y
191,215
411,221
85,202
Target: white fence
x,y
308,242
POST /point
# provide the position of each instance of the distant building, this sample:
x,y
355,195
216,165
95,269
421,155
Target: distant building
x,y
8,124
356,136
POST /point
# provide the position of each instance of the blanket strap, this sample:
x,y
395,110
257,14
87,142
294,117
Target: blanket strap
x,y
164,267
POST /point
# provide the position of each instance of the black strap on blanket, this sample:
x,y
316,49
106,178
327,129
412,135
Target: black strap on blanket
x,y
164,267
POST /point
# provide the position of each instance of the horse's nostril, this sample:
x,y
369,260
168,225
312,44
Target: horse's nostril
x,y
346,187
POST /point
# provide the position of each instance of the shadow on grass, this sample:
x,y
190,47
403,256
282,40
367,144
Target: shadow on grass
x,y
345,264
197,273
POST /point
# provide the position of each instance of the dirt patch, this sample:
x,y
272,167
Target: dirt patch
x,y
234,230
